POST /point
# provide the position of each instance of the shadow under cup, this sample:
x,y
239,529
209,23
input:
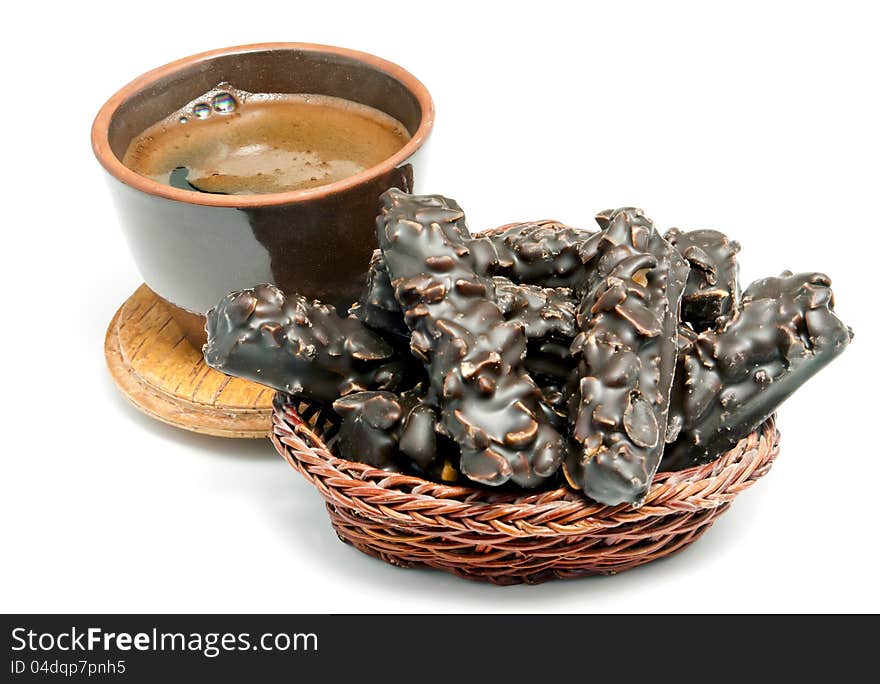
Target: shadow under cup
x,y
192,248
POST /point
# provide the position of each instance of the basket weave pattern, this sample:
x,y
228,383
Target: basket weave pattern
x,y
508,538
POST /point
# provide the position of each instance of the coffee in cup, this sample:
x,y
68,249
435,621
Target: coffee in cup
x,y
230,141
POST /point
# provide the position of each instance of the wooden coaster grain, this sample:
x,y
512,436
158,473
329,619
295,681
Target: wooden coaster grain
x,y
160,372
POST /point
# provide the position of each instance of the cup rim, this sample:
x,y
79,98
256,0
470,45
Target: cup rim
x,y
110,162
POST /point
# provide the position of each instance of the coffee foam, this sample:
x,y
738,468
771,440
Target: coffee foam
x,y
237,142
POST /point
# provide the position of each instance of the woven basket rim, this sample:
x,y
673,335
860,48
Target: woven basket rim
x,y
411,501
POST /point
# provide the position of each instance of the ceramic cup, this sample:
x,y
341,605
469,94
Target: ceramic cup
x,y
192,248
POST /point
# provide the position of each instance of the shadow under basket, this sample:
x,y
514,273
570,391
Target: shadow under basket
x,y
509,538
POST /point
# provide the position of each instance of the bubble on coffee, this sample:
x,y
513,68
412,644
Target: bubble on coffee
x,y
237,142
223,103
201,110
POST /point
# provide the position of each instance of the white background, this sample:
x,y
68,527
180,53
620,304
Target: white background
x,y
760,120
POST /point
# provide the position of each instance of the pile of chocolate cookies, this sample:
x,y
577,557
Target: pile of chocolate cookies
x,y
540,351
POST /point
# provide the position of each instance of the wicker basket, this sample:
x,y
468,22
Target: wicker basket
x,y
482,534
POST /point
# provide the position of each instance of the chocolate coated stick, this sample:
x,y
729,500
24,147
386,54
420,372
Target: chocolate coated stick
x,y
626,354
297,346
543,312
730,381
367,431
395,432
542,253
712,290
489,405
377,307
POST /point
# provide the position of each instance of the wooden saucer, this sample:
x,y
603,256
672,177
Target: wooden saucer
x,y
163,375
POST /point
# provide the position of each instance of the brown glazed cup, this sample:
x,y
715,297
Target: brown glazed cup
x,y
192,248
